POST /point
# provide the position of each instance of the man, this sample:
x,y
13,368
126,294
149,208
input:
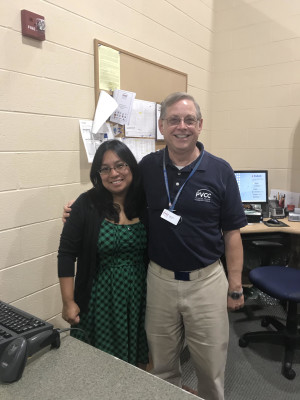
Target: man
x,y
195,212
195,215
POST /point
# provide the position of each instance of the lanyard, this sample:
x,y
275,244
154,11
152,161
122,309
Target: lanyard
x,y
172,205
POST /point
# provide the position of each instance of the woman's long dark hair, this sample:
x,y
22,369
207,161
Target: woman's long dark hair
x,y
102,199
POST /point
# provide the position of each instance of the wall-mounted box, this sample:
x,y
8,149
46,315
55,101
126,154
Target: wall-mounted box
x,y
33,25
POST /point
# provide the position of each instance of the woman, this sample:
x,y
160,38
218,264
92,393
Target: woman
x,y
104,233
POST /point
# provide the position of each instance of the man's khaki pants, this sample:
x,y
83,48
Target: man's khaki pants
x,y
194,311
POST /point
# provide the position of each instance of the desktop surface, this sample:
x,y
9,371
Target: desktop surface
x,y
292,227
78,371
288,235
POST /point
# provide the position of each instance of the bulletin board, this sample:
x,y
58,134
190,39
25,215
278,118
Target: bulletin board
x,y
149,80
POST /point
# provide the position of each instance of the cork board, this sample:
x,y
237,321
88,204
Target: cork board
x,y
149,80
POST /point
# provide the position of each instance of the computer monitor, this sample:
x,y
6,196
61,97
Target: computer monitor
x,y
253,186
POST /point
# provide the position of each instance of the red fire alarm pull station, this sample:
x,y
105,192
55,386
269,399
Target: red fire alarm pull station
x,y
33,25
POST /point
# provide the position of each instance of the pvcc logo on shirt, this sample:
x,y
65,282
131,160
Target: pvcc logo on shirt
x,y
203,195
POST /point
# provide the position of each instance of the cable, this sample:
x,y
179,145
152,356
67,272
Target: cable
x,y
76,329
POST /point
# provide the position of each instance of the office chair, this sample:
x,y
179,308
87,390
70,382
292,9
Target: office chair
x,y
282,283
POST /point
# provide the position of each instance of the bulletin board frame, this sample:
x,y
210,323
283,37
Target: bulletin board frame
x,y
150,80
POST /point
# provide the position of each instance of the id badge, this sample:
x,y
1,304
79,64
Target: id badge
x,y
170,217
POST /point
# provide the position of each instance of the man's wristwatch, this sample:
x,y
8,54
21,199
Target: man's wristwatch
x,y
235,295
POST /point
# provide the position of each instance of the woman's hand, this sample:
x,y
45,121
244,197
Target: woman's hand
x,y
67,210
70,313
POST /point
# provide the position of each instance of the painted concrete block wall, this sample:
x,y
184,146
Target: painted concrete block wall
x,y
242,61
46,87
256,87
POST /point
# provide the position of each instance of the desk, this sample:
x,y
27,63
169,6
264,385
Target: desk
x,y
293,231
78,371
293,228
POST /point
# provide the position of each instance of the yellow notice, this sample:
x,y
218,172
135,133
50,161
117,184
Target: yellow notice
x,y
109,68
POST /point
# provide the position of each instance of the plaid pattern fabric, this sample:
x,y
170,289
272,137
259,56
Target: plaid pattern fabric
x,y
115,318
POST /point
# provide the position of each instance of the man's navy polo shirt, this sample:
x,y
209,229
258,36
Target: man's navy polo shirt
x,y
208,204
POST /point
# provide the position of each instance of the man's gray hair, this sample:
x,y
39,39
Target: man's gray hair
x,y
174,98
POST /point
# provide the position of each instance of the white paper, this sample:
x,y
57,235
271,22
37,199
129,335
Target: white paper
x,y
125,101
142,122
139,147
92,140
105,107
159,136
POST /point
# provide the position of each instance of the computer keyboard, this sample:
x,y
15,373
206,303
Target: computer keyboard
x,y
15,322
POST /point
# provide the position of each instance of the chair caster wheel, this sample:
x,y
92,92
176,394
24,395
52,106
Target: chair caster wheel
x,y
289,373
243,342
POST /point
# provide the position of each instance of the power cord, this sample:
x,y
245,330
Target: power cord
x,y
76,329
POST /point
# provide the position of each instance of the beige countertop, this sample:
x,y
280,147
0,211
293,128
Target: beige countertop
x,y
293,227
77,371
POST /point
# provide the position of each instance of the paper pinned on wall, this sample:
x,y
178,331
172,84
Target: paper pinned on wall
x,y
125,99
159,135
139,147
142,122
109,73
105,107
92,140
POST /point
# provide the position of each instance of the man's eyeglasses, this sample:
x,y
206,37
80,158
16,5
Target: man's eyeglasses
x,y
188,121
119,168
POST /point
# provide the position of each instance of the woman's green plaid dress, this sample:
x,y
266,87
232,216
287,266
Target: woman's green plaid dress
x,y
115,319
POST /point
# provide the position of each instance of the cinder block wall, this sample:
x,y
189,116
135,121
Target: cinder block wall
x,y
46,87
242,61
255,99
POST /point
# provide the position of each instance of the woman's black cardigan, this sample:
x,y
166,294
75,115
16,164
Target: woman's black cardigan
x,y
79,241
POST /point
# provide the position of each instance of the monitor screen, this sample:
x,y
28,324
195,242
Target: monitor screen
x,y
253,186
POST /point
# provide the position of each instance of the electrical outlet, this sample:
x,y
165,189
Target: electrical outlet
x,y
33,25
